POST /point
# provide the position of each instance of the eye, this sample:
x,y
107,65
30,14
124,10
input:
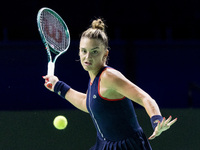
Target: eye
x,y
83,51
94,52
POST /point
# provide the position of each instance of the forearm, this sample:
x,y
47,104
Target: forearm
x,y
151,106
145,100
152,110
77,99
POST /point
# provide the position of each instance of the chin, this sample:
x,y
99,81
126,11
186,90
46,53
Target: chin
x,y
86,68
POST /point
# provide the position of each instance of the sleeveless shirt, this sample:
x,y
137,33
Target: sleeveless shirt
x,y
115,120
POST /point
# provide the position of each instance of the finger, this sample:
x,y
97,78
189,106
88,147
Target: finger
x,y
44,77
172,122
169,119
47,76
152,137
47,80
163,122
158,126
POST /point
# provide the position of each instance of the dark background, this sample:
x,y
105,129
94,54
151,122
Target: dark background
x,y
155,44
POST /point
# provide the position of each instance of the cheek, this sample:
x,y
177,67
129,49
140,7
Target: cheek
x,y
80,57
100,59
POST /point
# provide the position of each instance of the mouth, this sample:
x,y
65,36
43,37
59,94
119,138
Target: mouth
x,y
88,63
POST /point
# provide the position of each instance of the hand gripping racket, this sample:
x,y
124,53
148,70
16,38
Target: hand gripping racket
x,y
54,34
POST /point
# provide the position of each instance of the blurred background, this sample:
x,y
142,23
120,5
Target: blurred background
x,y
155,44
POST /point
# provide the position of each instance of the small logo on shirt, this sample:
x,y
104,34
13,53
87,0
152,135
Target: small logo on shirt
x,y
94,96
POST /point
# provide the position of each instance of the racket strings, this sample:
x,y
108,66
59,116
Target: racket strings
x,y
54,31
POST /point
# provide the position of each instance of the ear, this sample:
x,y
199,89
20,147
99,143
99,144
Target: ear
x,y
106,54
105,57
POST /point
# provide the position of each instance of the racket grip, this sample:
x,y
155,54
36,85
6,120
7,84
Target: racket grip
x,y
51,67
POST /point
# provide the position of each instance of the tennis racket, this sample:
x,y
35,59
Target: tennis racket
x,y
55,36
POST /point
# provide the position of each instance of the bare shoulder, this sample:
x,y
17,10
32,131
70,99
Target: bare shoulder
x,y
111,73
111,77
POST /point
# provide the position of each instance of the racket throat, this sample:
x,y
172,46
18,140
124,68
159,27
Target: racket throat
x,y
51,67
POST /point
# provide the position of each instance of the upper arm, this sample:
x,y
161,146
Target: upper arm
x,y
116,81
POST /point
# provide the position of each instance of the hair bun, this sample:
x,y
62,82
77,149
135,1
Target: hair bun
x,y
98,24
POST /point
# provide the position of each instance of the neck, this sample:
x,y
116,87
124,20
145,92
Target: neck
x,y
93,74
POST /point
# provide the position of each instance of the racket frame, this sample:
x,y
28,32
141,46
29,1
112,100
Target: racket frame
x,y
48,47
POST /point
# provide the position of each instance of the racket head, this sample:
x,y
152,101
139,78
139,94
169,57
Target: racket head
x,y
53,31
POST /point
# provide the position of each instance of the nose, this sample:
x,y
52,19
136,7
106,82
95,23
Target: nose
x,y
88,56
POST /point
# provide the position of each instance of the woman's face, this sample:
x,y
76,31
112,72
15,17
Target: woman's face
x,y
92,54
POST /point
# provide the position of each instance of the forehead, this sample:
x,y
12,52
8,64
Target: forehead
x,y
90,43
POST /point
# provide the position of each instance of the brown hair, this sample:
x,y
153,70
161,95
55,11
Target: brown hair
x,y
97,31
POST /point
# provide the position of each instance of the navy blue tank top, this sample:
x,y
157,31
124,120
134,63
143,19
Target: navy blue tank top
x,y
114,119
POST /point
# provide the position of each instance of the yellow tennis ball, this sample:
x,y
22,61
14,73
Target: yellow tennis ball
x,y
60,122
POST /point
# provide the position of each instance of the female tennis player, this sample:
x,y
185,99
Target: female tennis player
x,y
109,97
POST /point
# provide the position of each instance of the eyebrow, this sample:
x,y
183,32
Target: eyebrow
x,y
95,48
92,48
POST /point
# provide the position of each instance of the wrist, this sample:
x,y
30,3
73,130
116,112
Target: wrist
x,y
155,120
61,88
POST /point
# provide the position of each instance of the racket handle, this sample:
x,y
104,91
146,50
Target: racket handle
x,y
51,67
50,71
